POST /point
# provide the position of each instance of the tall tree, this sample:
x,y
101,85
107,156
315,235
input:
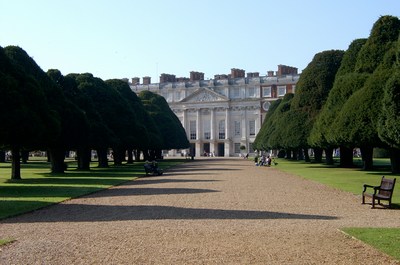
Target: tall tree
x,y
312,91
173,134
29,118
323,133
389,118
358,120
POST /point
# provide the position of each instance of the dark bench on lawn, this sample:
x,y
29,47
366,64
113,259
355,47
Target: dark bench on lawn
x,y
152,169
382,192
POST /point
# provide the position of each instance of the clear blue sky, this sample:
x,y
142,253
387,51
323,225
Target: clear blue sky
x,y
129,38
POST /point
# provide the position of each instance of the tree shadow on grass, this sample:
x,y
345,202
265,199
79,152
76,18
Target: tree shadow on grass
x,y
107,213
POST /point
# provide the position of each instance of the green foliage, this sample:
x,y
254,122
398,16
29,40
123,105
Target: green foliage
x,y
384,32
313,89
261,141
358,120
389,118
172,132
349,60
26,113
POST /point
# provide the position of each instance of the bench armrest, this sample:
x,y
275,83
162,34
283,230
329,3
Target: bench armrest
x,y
370,186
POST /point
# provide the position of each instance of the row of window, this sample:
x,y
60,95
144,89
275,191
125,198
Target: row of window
x,y
234,93
221,129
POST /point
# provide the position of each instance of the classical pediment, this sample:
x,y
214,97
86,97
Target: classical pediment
x,y
204,95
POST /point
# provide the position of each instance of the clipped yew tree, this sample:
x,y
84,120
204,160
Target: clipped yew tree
x,y
147,135
116,115
347,81
261,141
173,135
98,135
277,131
312,90
357,123
31,120
75,121
389,118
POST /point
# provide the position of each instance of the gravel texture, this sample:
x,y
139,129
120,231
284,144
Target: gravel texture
x,y
207,211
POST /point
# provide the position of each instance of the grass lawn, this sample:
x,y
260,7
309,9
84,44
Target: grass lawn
x,y
38,188
352,180
385,239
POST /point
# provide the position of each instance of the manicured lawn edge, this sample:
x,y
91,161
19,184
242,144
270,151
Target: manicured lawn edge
x,y
351,180
384,239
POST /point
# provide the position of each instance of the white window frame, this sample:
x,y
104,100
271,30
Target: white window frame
x,y
237,129
193,130
267,91
281,91
251,92
237,148
252,127
221,129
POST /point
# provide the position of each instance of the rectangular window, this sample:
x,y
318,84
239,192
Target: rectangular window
x,y
221,129
281,91
237,128
252,127
192,130
293,89
237,148
251,92
266,92
177,95
207,129
235,92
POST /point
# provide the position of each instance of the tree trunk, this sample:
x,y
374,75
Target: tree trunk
x,y
24,156
329,155
2,156
318,155
57,156
288,154
306,155
137,155
346,157
395,160
84,157
130,156
367,157
103,160
300,154
119,155
16,164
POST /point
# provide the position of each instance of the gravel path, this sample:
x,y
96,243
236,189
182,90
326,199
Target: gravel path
x,y
209,211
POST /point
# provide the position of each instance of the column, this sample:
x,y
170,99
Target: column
x,y
244,124
213,130
213,148
184,123
198,132
227,123
198,116
227,133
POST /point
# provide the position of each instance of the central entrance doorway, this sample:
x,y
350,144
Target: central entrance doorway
x,y
221,149
206,149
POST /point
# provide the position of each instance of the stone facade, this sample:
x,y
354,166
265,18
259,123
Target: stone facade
x,y
223,114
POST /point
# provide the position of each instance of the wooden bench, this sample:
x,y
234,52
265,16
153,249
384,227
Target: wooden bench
x,y
382,192
151,169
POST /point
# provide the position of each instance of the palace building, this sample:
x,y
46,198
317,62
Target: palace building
x,y
221,116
